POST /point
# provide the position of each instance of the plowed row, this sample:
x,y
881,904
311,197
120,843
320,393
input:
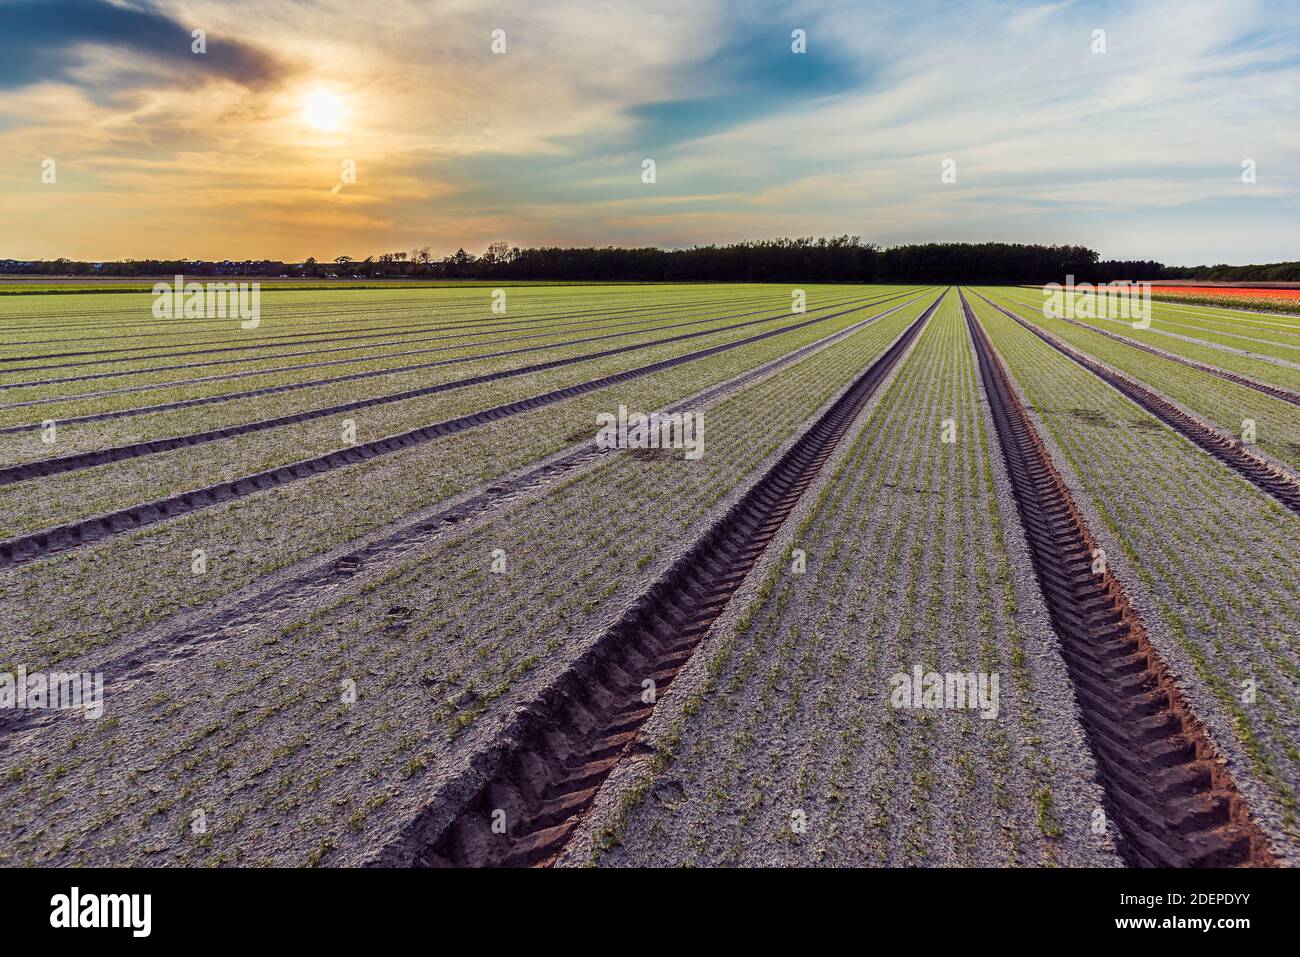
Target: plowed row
x,y
561,655
1174,803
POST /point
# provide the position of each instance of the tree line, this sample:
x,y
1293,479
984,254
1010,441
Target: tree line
x,y
835,259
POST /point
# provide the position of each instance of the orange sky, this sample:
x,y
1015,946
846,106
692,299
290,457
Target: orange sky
x,y
163,152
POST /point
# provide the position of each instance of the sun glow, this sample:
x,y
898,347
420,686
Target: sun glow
x,y
323,110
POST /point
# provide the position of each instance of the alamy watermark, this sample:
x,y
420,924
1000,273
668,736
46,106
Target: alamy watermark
x,y
130,911
213,300
56,691
952,690
1131,301
658,430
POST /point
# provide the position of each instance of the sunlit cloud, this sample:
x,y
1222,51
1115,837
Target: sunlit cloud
x,y
348,127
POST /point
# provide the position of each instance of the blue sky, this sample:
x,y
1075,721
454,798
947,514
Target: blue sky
x,y
1136,151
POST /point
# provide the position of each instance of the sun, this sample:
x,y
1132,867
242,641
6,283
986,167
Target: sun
x,y
323,110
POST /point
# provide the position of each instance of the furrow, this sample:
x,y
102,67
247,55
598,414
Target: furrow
x,y
267,342
561,748
35,545
549,330
1168,793
1262,474
300,585
1276,392
84,460
460,331
387,371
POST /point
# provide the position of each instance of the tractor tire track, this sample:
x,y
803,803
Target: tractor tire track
x,y
1172,800
351,377
524,324
264,342
289,592
560,749
177,326
82,460
1277,392
1268,478
35,545
1176,323
339,315
551,330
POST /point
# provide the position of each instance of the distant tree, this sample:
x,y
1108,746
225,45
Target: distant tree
x,y
802,259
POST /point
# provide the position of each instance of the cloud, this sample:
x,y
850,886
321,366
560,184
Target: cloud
x,y
46,40
755,73
1136,152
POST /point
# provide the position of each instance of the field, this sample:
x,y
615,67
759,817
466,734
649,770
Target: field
x,y
1277,297
1280,290
917,576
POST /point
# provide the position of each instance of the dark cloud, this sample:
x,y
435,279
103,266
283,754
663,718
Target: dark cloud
x,y
39,41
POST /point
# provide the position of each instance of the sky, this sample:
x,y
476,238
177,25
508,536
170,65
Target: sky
x,y
346,127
